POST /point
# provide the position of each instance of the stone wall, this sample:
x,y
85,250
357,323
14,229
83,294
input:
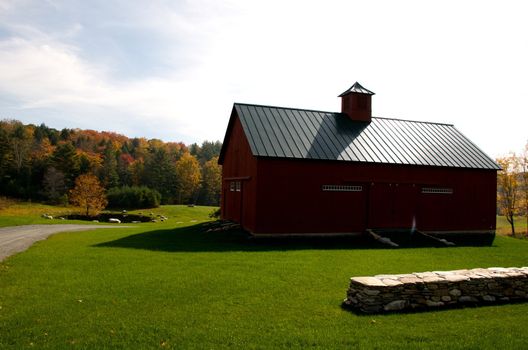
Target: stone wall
x,y
437,289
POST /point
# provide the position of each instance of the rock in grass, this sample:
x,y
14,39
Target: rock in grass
x,y
396,305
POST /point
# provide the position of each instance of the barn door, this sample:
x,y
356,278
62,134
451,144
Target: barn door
x,y
392,205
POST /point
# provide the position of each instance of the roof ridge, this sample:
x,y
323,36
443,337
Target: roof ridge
x,y
415,121
291,108
320,111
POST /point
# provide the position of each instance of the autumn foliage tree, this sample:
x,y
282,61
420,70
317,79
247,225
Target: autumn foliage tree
x,y
189,177
88,194
212,181
508,189
524,181
39,163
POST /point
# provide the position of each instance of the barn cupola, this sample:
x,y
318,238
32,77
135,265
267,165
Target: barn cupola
x,y
356,103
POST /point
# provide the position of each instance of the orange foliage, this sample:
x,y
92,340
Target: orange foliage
x,y
88,194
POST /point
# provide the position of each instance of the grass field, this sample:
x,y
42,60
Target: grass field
x,y
504,228
172,285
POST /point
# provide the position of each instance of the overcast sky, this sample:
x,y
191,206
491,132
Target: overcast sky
x,y
172,69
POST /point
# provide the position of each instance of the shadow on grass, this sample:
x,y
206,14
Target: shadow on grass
x,y
195,239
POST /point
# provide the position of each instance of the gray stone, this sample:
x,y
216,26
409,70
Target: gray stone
x,y
424,274
467,299
352,300
443,273
431,303
455,292
456,278
371,292
369,281
391,282
371,309
432,286
446,298
396,305
433,279
412,280
488,298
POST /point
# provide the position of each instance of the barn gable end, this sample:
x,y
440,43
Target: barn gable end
x,y
239,176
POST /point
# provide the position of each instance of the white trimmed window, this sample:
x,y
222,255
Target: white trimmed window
x,y
238,186
437,190
342,188
232,186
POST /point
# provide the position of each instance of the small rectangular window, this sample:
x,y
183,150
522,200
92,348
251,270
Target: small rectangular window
x,y
342,188
238,186
232,186
437,190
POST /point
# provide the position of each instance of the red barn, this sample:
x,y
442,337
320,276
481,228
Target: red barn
x,y
295,171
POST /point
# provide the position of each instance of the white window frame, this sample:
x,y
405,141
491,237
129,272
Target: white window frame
x,y
437,190
342,188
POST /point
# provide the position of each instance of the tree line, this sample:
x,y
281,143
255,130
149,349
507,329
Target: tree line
x,y
42,163
512,187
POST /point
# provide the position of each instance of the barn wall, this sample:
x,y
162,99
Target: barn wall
x,y
291,199
239,166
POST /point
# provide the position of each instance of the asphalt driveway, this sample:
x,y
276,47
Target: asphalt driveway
x,y
16,239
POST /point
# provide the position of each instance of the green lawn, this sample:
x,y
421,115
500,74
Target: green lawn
x,y
503,226
172,285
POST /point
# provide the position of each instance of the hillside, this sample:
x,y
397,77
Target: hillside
x,y
42,163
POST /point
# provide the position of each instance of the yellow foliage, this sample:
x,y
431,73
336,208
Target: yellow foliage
x,y
508,192
189,176
88,194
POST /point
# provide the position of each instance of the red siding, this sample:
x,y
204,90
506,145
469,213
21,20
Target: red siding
x,y
291,200
239,165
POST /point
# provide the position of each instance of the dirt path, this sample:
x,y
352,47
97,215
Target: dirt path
x,y
16,239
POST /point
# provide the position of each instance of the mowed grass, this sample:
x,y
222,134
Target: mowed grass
x,y
504,228
13,213
173,285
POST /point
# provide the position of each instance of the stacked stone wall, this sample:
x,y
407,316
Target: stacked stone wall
x,y
437,289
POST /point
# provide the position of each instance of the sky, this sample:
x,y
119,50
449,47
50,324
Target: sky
x,y
173,69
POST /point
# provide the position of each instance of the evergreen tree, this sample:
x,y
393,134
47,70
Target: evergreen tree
x,y
109,175
66,160
160,174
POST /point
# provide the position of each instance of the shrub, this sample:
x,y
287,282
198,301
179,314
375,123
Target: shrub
x,y
215,214
134,197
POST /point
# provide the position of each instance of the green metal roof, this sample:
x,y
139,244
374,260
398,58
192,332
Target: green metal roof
x,y
307,134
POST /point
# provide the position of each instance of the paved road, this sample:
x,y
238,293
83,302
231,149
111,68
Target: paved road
x,y
19,238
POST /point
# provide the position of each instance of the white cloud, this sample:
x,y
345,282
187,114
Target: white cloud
x,y
447,62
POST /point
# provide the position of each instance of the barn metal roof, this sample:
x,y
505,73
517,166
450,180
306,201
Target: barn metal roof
x,y
357,88
308,134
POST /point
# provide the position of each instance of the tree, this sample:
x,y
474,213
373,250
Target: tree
x,y
109,174
88,194
159,173
54,186
189,177
524,181
65,159
21,145
508,188
212,181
